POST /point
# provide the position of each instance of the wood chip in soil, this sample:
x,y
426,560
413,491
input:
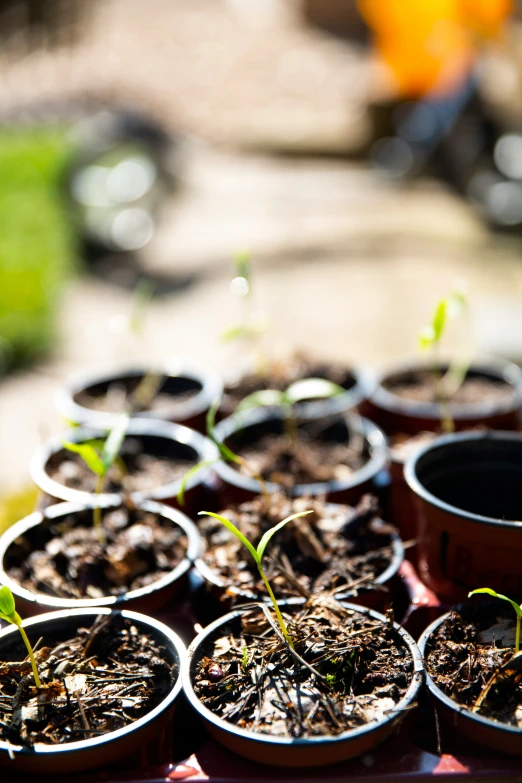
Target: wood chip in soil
x,y
279,375
333,547
136,471
247,675
314,456
475,390
103,679
465,653
66,557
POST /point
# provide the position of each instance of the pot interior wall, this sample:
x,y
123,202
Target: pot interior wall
x,y
406,377
57,630
156,446
173,386
334,432
480,476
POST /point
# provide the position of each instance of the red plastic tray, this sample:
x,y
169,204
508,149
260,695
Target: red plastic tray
x,y
420,750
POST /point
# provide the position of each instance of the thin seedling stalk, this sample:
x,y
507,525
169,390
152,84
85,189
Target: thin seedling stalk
x,y
31,655
279,616
97,511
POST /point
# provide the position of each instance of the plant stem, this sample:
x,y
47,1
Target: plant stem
x,y
517,635
31,656
446,419
277,610
97,512
290,424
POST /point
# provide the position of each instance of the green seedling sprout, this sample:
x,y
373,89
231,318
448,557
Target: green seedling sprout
x,y
429,340
299,391
101,460
10,615
516,607
225,453
257,554
249,328
151,382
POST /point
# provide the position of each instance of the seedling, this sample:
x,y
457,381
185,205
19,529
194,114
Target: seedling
x,y
429,340
151,382
516,607
226,453
10,615
299,391
250,328
101,460
257,554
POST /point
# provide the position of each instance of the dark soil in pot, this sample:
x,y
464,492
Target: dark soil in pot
x,y
279,375
337,546
321,452
104,678
421,386
247,675
66,558
115,396
465,657
147,463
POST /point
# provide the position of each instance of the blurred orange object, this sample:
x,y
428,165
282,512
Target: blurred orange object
x,y
430,45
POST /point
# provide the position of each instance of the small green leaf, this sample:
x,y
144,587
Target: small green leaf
x,y
269,533
188,475
233,529
311,389
233,333
489,591
89,455
426,338
261,399
7,602
439,320
227,454
243,266
211,418
114,441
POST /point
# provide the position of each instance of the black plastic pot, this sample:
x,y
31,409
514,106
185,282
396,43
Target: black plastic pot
x,y
468,499
248,426
223,596
363,383
171,586
488,733
178,379
158,437
297,752
98,751
397,414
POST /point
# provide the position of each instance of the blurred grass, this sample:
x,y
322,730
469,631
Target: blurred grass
x,y
37,239
17,505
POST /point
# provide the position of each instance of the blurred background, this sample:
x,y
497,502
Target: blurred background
x,y
366,153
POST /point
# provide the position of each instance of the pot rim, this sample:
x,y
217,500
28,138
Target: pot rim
x,y
58,510
375,438
415,484
267,739
208,379
212,576
446,700
364,385
91,744
204,448
493,366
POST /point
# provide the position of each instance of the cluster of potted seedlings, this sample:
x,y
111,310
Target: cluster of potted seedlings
x,y
290,516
